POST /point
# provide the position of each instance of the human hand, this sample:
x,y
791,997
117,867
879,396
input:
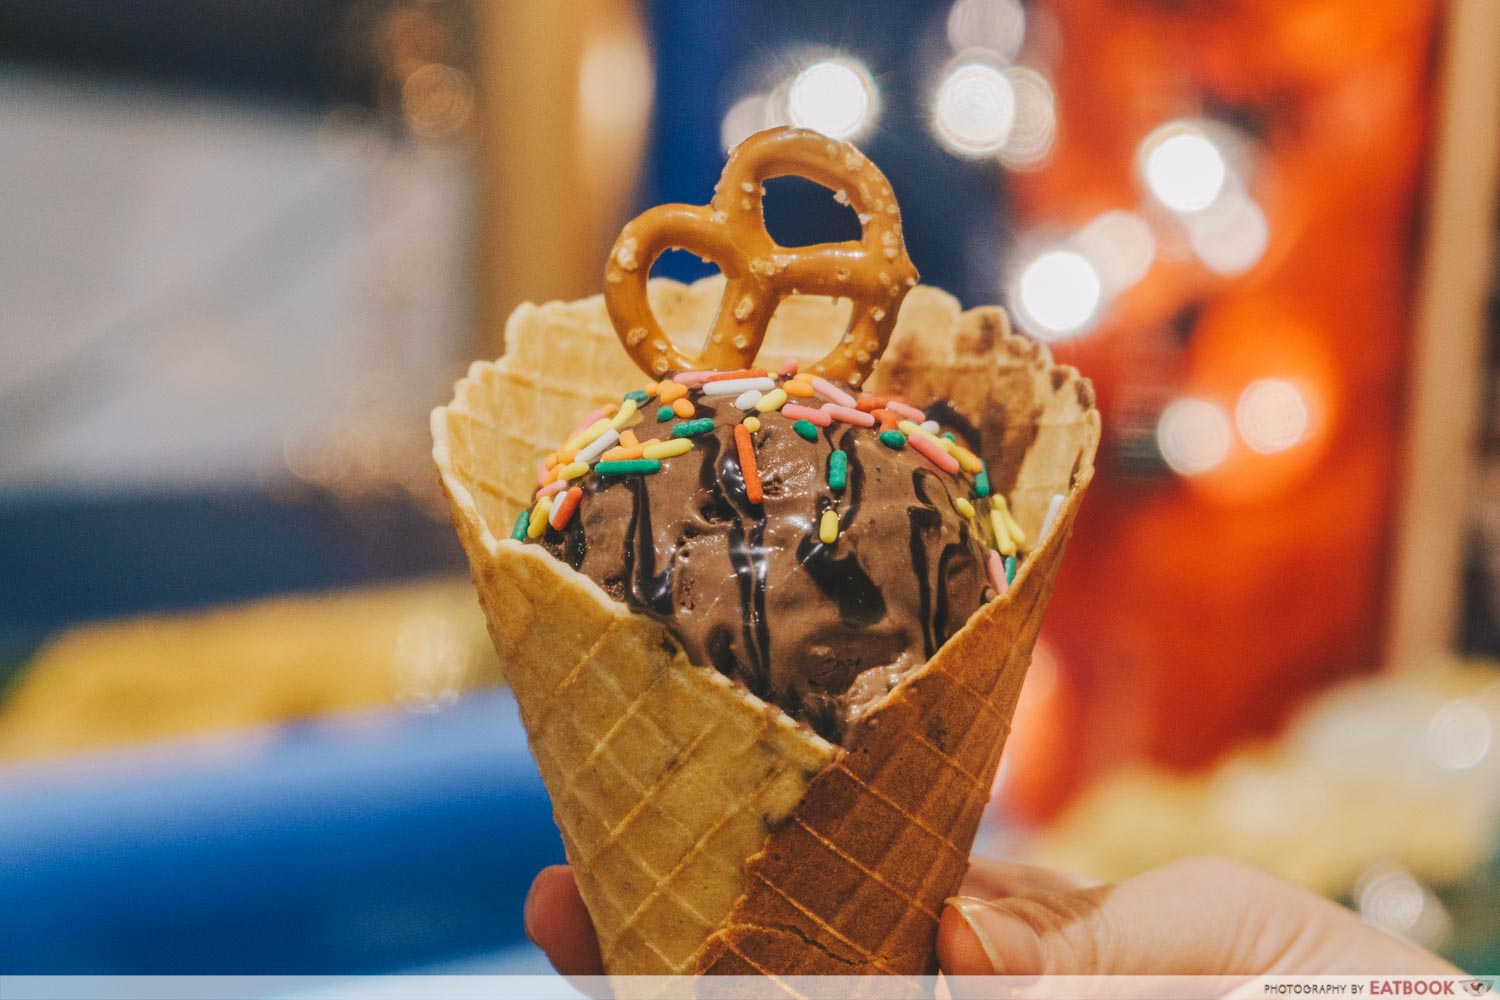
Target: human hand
x,y
1196,916
1204,916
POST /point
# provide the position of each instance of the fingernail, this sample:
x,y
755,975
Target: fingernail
x,y
1010,944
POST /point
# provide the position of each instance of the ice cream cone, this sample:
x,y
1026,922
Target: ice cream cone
x,y
708,830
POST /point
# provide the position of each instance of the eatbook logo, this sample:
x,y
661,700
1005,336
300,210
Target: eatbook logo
x,y
1476,987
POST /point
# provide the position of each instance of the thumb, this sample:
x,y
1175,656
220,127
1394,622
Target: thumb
x,y
1197,916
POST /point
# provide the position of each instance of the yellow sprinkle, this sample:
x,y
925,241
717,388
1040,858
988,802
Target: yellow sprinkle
x,y
628,439
626,416
539,518
912,430
828,527
667,449
964,507
967,460
1003,542
772,400
573,471
587,435
752,424
1011,527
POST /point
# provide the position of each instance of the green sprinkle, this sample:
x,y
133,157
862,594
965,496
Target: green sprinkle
x,y
893,439
982,481
806,429
692,428
664,414
838,470
639,395
523,521
949,436
628,467
1010,569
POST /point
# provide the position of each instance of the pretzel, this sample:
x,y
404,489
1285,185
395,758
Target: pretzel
x,y
874,271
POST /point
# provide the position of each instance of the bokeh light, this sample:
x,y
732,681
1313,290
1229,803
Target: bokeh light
x,y
1231,237
1034,126
1057,295
1272,415
1391,898
1183,167
835,96
1193,436
997,26
973,110
1121,246
746,117
437,101
1460,735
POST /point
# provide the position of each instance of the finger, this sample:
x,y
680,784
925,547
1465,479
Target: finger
x,y
988,878
557,922
1198,916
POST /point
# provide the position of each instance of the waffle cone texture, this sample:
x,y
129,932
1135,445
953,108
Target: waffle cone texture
x,y
708,831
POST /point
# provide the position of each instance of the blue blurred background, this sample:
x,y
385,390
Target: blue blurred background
x,y
249,720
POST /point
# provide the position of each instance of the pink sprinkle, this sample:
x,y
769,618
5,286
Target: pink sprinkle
x,y
906,410
934,452
692,379
588,422
997,573
848,415
543,474
792,411
831,392
789,369
552,489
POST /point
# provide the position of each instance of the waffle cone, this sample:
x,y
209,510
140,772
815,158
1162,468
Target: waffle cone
x,y
708,831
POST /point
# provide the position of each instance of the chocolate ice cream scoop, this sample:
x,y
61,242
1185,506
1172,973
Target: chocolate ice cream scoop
x,y
815,550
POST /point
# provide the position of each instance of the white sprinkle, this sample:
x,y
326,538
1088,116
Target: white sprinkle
x,y
1052,509
735,386
600,445
747,399
930,426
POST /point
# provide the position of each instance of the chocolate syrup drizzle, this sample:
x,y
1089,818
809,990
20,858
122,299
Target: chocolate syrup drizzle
x,y
751,590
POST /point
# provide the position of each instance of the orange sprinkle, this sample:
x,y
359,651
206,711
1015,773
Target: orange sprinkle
x,y
887,419
610,409
683,408
748,467
562,513
621,454
649,389
551,460
870,403
742,373
628,439
671,392
567,456
797,387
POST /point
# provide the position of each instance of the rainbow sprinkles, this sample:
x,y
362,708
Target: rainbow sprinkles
x,y
609,443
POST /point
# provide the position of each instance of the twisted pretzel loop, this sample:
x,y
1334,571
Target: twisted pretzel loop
x,y
874,271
